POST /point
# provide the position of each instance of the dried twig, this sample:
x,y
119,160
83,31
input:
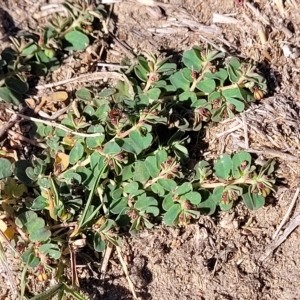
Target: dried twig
x,y
262,34
84,78
293,224
245,131
106,257
114,66
275,153
287,213
258,14
221,48
8,125
234,126
75,281
53,124
218,18
20,137
49,9
5,268
280,7
126,272
123,46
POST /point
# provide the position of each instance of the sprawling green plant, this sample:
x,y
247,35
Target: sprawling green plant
x,y
119,159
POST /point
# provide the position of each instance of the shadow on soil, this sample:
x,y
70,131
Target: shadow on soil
x,y
106,290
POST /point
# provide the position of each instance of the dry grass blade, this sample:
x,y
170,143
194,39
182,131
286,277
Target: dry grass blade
x,y
5,267
131,286
75,281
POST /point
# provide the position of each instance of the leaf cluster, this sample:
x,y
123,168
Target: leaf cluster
x,y
33,55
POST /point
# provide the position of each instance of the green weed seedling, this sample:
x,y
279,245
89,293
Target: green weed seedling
x,y
34,55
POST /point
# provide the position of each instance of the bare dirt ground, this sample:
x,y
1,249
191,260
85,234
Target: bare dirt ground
x,y
222,257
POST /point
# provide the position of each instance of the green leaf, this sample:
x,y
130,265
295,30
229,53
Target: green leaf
x,y
151,210
99,244
187,74
29,49
112,148
117,193
237,160
239,105
233,69
144,63
40,235
30,259
94,142
213,54
193,197
76,40
5,168
16,85
76,153
192,59
84,94
154,93
167,67
157,189
203,170
24,218
9,54
172,214
50,63
142,141
136,142
232,93
107,92
143,202
217,194
56,289
32,226
208,206
117,206
184,188
127,173
167,184
253,201
89,110
151,165
179,81
51,249
191,96
140,172
221,75
206,85
39,203
168,201
10,96
223,166
225,207
37,68
141,73
161,156
131,187
20,171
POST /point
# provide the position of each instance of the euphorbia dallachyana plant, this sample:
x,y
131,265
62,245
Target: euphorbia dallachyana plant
x,y
118,160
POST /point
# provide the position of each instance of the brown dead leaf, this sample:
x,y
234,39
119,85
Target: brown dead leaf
x,y
31,103
8,231
61,162
55,97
